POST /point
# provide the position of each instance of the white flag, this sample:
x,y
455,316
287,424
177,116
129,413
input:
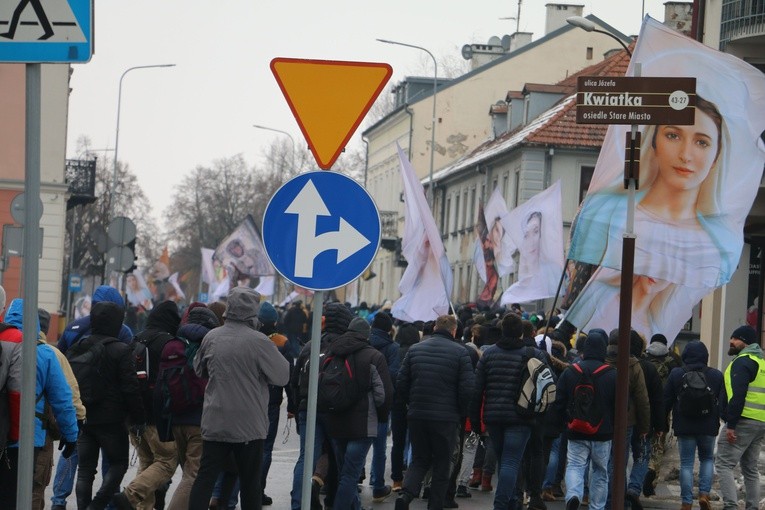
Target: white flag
x,y
266,285
536,227
427,281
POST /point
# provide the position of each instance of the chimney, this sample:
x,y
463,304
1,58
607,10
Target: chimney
x,y
678,16
519,40
557,14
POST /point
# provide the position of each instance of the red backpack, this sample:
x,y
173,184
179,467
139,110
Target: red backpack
x,y
179,389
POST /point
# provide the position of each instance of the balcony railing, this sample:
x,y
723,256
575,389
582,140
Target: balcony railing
x,y
741,19
81,178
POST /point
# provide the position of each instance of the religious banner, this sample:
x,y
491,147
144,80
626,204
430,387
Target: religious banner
x,y
243,251
536,227
493,253
697,184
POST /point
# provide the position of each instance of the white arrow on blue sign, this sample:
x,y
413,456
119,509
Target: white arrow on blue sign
x,y
321,230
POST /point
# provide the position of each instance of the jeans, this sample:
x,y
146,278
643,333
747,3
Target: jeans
x,y
611,467
509,445
533,468
552,464
351,455
249,459
379,445
746,450
268,444
113,440
641,456
597,453
432,446
66,474
297,473
687,446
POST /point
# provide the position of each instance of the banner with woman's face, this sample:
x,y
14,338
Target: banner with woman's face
x,y
697,185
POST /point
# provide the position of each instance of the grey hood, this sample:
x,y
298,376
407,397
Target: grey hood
x,y
657,349
243,305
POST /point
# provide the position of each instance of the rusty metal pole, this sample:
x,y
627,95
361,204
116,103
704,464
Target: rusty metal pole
x,y
631,175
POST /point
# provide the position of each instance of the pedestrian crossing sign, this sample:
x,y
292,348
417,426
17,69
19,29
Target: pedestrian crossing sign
x,y
46,31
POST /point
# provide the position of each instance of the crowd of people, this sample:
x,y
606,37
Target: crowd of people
x,y
493,400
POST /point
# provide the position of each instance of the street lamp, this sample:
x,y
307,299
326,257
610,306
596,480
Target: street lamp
x,y
292,140
589,26
117,135
433,122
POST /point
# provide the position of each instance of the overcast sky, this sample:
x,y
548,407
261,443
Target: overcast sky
x,y
177,118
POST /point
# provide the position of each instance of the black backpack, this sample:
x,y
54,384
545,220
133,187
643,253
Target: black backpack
x,y
339,386
147,352
586,410
695,398
86,359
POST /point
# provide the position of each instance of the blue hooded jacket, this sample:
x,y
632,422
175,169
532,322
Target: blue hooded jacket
x,y
51,382
81,327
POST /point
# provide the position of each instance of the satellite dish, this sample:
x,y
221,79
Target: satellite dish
x,y
506,42
467,52
494,41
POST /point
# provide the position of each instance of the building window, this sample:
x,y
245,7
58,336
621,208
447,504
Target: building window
x,y
517,188
589,52
456,211
471,211
505,178
466,210
585,177
447,215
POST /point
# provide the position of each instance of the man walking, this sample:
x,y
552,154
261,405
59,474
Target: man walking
x,y
743,403
436,380
239,362
586,397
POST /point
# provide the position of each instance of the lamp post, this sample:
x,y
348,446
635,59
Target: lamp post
x,y
117,135
292,140
618,478
589,26
433,121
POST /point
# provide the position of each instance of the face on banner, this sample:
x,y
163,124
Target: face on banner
x,y
138,293
697,185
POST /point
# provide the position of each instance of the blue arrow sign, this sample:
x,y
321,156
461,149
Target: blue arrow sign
x,y
321,230
55,31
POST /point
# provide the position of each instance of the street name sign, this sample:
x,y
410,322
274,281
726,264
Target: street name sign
x,y
321,230
329,99
53,31
635,100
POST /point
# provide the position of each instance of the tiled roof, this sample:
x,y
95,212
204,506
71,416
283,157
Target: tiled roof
x,y
556,127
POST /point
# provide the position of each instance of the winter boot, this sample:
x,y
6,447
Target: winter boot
x,y
486,483
475,480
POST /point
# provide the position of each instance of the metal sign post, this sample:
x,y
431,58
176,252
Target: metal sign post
x,y
30,276
313,390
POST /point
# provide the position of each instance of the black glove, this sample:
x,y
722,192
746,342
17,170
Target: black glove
x,y
67,447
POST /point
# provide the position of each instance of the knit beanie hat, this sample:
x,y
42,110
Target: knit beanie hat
x,y
44,317
746,334
382,321
267,313
359,325
658,337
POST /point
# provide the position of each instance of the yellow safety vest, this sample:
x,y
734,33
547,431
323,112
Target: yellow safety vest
x,y
754,402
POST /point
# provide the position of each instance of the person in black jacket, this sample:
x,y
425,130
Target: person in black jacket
x,y
407,336
105,427
497,387
694,432
641,446
354,430
588,449
436,381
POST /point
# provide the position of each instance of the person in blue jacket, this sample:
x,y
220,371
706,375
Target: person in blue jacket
x,y
80,328
694,432
51,387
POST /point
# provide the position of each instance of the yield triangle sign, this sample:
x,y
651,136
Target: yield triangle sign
x,y
329,99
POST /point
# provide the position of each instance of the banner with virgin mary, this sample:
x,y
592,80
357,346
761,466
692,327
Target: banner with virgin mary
x,y
697,185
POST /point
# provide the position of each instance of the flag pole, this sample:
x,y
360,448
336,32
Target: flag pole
x,y
555,300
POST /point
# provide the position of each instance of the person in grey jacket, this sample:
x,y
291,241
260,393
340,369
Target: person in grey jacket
x,y
239,362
